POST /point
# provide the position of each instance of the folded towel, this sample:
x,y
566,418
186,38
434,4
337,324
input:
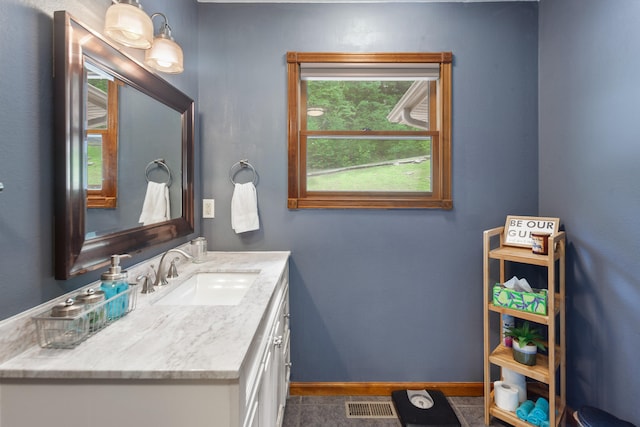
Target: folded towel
x,y
544,424
539,413
524,409
533,420
156,206
244,208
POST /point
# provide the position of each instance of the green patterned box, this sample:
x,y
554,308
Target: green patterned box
x,y
532,302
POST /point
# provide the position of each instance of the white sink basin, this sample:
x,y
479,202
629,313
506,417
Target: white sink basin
x,y
211,288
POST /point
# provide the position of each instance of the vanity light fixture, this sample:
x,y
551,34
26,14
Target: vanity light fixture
x,y
165,54
126,23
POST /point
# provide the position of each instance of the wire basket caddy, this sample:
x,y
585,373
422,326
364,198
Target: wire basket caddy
x,y
68,332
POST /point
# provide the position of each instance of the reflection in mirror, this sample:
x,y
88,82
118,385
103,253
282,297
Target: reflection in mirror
x,y
144,131
113,118
101,137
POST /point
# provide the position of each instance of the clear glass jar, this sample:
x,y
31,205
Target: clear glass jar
x,y
96,311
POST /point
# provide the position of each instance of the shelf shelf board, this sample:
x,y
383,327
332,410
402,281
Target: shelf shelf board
x,y
512,418
503,356
507,416
522,255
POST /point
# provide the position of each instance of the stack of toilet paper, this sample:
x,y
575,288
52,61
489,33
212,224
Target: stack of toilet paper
x,y
511,391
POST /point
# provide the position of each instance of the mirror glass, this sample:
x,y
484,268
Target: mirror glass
x,y
124,138
155,134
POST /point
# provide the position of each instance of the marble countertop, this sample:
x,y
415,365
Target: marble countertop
x,y
165,342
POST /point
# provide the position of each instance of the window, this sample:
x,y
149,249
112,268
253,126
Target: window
x,y
369,130
101,138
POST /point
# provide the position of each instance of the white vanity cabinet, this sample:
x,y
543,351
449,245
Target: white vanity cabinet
x,y
166,366
267,383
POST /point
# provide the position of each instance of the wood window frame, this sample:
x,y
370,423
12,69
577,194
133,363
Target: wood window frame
x,y
438,198
107,196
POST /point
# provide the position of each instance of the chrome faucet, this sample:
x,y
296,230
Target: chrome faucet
x,y
161,276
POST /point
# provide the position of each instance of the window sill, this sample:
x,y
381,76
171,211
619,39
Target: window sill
x,y
378,203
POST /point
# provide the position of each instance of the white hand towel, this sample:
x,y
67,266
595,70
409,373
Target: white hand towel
x,y
244,208
156,206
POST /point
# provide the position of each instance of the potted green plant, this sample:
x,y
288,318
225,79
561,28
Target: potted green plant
x,y
526,342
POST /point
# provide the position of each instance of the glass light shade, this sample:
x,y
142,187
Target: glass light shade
x,y
165,55
129,25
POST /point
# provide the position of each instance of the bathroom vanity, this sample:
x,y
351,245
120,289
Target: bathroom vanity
x,y
168,363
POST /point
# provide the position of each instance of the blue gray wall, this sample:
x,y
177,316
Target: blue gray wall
x,y
26,143
376,295
589,151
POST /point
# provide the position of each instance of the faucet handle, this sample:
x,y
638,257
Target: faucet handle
x,y
147,285
173,270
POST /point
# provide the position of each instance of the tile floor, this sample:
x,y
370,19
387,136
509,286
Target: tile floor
x,y
329,411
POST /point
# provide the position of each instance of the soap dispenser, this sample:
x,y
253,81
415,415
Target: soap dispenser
x,y
114,281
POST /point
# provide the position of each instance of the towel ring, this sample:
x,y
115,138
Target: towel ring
x,y
161,164
242,164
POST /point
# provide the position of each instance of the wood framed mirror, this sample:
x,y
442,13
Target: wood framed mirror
x,y
155,121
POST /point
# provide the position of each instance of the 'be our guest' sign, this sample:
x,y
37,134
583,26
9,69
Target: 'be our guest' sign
x,y
518,229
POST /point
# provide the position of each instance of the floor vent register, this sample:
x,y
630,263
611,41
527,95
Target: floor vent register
x,y
370,410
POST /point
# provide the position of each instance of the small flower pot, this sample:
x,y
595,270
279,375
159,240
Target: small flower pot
x,y
525,355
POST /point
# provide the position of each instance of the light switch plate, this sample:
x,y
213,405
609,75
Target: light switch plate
x,y
208,208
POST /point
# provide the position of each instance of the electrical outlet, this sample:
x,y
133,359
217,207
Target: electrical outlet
x,y
208,208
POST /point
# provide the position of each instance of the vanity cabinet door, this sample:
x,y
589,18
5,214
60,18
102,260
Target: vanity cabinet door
x,y
268,383
271,392
283,358
283,375
267,396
